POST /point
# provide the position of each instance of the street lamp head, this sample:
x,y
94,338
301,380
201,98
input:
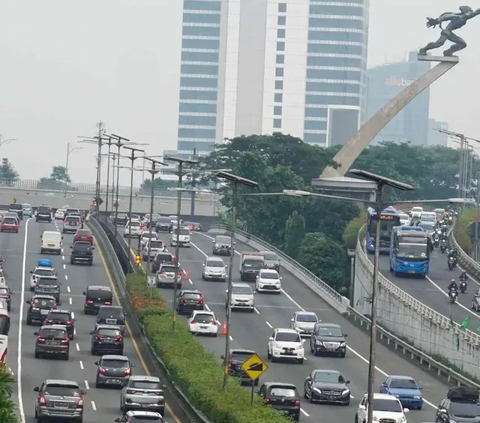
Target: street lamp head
x,y
118,137
381,180
153,161
296,193
179,160
133,149
237,179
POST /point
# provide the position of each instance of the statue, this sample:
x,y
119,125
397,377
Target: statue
x,y
457,21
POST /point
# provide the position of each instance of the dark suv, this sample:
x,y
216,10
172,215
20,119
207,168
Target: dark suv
x,y
44,214
64,318
48,286
236,358
189,301
95,297
82,252
17,208
328,339
283,397
111,315
161,258
107,339
163,224
222,246
460,405
52,340
40,306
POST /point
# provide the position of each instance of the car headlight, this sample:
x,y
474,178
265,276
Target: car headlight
x,y
319,342
317,390
298,329
375,418
417,397
342,344
402,420
346,391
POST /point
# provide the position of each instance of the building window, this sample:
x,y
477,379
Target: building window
x,y
199,82
196,133
279,72
201,44
277,110
282,20
205,18
344,35
277,123
197,120
280,59
335,23
282,7
199,70
336,10
214,6
279,85
197,108
281,46
335,49
197,95
280,33
190,56
278,98
201,31
342,62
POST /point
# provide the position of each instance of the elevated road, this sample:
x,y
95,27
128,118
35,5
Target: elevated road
x,y
21,252
251,330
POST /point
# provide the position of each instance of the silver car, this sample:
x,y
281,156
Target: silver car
x,y
242,297
140,416
143,393
166,276
214,269
72,224
304,322
59,399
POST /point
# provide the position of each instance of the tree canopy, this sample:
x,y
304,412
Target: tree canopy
x,y
58,179
8,173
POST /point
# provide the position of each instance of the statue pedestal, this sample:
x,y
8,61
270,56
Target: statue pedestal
x,y
428,58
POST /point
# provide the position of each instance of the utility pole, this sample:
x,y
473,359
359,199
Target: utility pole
x,y
101,129
194,184
476,217
69,151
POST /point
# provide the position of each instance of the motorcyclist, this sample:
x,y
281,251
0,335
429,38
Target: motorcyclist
x,y
463,276
477,294
453,253
453,285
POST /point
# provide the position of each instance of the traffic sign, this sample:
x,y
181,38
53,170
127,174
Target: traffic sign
x,y
254,366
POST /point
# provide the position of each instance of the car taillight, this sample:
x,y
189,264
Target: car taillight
x,y
297,402
118,338
267,400
158,393
69,322
42,400
229,361
80,403
200,301
128,372
37,285
48,321
161,272
54,305
108,303
182,300
6,295
214,323
3,359
131,391
98,337
89,302
101,370
179,274
64,341
193,322
40,339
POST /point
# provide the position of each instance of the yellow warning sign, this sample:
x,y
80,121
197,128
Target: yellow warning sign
x,y
254,366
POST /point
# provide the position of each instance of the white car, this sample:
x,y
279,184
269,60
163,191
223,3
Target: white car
x,y
203,323
60,214
385,408
304,322
416,212
156,246
286,344
243,297
214,269
135,218
146,236
133,229
41,272
268,280
183,235
404,219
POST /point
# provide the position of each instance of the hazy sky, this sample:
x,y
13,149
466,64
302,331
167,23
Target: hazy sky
x,y
65,65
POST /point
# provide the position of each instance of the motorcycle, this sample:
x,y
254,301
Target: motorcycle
x,y
463,286
436,241
452,263
453,295
476,303
443,247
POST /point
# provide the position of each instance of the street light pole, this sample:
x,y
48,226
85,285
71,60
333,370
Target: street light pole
x,y
69,151
381,183
7,141
476,217
235,181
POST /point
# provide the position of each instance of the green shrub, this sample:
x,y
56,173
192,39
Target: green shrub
x,y
461,234
193,369
350,234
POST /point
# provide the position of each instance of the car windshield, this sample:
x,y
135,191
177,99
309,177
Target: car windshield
x,y
404,217
241,355
269,275
426,225
109,332
277,391
183,231
243,290
83,232
163,220
72,219
403,384
149,235
215,263
43,210
464,409
311,318
135,217
204,318
9,221
428,217
156,244
328,377
82,246
43,303
287,337
27,207
134,224
168,269
59,316
192,295
101,294
145,384
223,240
106,312
115,364
3,291
388,405
148,418
53,333
61,390
15,207
416,209
329,332
163,257
45,281
258,264
269,256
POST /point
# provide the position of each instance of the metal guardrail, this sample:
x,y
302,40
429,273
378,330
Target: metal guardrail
x,y
469,264
408,350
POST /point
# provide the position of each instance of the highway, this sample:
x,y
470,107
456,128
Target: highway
x,y
251,330
21,252
432,291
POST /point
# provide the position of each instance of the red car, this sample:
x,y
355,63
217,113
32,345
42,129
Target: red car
x,y
83,235
9,224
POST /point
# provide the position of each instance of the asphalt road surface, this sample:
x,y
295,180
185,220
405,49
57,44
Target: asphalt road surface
x,y
251,330
21,252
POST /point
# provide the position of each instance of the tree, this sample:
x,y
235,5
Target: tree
x,y
325,258
294,234
59,173
158,184
8,173
350,234
58,179
7,406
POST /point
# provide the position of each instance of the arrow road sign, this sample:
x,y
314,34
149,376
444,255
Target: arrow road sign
x,y
254,366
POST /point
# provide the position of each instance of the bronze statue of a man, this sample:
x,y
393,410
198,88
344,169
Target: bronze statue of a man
x,y
457,21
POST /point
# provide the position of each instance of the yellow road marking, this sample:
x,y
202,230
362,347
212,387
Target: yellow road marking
x,y
135,346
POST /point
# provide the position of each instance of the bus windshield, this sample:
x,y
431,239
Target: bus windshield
x,y
385,228
410,251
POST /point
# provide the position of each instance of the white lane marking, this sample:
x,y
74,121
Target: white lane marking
x,y
64,266
269,325
230,336
70,300
207,307
73,315
68,289
352,397
62,250
20,326
81,364
87,385
256,311
304,412
348,348
193,245
190,281
78,346
94,406
66,277
63,257
74,331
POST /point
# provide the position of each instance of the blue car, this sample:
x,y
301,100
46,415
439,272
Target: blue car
x,y
27,210
405,389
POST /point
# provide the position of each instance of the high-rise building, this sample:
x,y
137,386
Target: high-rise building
x,y
434,136
384,83
263,66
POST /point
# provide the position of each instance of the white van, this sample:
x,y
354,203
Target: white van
x,y
183,237
52,242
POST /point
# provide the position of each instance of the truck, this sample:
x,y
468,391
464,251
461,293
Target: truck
x,y
250,265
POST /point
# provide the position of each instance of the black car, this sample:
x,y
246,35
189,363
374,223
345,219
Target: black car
x,y
107,339
44,214
16,208
164,224
52,340
190,300
48,286
236,358
121,219
82,252
6,294
283,397
328,339
111,315
460,405
64,318
327,386
222,245
40,306
161,258
95,297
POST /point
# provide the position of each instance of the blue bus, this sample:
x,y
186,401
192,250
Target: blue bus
x,y
389,218
410,251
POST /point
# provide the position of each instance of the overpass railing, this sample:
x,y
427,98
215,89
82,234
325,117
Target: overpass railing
x,y
468,263
340,303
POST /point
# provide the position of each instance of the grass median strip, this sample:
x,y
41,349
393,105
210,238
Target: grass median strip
x,y
195,371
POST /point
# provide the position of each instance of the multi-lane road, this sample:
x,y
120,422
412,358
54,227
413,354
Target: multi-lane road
x,y
251,330
21,252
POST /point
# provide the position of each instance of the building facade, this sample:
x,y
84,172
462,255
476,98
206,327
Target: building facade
x,y
411,124
263,66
